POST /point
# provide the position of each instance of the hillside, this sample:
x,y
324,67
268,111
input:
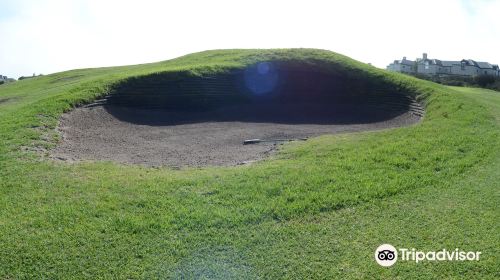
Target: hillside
x,y
315,209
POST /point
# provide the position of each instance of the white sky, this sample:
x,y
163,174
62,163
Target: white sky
x,y
46,36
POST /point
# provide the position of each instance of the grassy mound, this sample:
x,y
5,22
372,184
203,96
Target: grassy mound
x,y
103,219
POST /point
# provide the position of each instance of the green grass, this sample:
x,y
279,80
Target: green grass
x,y
316,210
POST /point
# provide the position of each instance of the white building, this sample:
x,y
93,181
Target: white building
x,y
464,67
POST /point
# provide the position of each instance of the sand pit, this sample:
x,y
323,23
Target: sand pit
x,y
175,139
181,119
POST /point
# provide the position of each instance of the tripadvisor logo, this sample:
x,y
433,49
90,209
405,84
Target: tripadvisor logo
x,y
387,255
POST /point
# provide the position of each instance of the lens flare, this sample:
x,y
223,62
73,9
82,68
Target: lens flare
x,y
261,78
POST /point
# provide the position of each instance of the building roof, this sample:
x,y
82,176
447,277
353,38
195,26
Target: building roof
x,y
484,65
404,62
437,62
449,63
469,62
426,61
407,62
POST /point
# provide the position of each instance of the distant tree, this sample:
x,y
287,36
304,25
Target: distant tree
x,y
495,85
484,80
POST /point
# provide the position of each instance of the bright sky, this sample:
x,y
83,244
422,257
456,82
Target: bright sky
x,y
47,36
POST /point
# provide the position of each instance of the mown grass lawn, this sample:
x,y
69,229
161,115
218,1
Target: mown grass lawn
x,y
316,210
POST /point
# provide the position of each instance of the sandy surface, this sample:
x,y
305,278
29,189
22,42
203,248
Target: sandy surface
x,y
176,139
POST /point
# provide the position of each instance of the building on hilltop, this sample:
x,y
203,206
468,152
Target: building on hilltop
x,y
434,67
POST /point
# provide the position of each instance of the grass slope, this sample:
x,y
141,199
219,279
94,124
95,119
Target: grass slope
x,y
317,210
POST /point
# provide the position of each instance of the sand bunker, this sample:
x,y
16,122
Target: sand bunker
x,y
163,138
